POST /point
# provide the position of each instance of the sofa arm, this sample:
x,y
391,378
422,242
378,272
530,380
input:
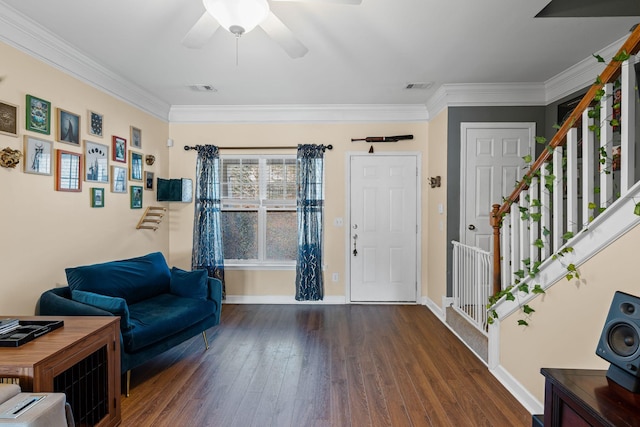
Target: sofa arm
x,y
215,294
58,302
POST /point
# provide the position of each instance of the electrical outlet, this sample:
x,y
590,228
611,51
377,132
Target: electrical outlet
x,y
335,277
338,222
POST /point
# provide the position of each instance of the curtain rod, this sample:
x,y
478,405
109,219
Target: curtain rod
x,y
187,147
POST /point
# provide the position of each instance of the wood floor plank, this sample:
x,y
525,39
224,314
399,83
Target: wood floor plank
x,y
321,366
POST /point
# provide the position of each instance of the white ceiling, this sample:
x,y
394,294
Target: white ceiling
x,y
358,54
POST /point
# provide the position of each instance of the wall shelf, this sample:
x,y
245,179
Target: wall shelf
x,y
151,218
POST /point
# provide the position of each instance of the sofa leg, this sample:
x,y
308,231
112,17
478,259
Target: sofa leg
x,y
206,343
128,383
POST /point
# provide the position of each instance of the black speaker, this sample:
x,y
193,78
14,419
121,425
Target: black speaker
x,y
620,341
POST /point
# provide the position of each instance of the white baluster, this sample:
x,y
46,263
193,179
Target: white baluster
x,y
588,194
627,125
572,180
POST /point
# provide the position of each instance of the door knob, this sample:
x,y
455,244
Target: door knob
x,y
472,227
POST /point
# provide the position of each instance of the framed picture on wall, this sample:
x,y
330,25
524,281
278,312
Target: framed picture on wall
x,y
97,197
148,180
8,119
118,179
68,127
119,149
38,115
136,197
38,155
135,166
96,162
96,121
136,137
68,171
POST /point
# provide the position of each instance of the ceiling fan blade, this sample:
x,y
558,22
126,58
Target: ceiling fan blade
x,y
201,32
282,35
325,1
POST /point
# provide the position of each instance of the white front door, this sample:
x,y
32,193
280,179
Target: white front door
x,y
491,163
383,228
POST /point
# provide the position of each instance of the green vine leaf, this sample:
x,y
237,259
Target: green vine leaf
x,y
538,244
541,139
510,297
524,288
621,57
519,273
537,289
568,235
598,58
527,158
522,322
592,205
636,209
527,309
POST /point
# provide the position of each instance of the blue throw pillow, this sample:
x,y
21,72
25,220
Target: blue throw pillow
x,y
134,279
189,284
116,306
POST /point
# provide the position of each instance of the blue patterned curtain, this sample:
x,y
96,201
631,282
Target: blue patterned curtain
x,y
208,251
310,208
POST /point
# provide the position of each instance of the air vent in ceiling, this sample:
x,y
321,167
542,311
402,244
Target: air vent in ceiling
x,y
203,88
420,85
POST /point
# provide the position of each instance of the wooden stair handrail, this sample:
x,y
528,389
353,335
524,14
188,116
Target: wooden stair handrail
x,y
611,72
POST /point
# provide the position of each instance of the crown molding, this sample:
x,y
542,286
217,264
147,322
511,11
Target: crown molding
x,y
580,75
326,113
487,94
20,32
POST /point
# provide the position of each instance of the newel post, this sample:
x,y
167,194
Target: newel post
x,y
496,223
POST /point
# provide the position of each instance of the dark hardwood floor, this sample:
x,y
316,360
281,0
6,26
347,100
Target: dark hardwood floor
x,y
321,365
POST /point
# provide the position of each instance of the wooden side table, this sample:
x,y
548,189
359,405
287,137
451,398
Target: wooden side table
x,y
80,359
583,397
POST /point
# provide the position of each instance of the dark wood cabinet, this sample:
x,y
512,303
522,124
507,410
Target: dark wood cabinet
x,y
583,397
81,359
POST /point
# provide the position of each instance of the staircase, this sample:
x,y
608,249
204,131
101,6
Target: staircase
x,y
578,196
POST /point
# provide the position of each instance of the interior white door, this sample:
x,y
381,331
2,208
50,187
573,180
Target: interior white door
x,y
383,228
491,163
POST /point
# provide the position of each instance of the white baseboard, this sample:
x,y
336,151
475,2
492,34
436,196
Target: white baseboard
x,y
280,299
431,305
523,396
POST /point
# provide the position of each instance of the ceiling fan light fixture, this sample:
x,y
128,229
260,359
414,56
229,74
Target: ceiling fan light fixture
x,y
238,16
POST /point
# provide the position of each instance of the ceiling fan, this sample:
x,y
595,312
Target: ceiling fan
x,y
241,16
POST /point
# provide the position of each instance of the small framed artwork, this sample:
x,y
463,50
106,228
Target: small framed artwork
x,y
97,197
96,162
8,119
135,166
68,127
38,155
136,137
148,180
68,171
119,149
136,197
38,115
118,179
95,123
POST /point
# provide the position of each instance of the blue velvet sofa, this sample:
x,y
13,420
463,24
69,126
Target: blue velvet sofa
x,y
158,307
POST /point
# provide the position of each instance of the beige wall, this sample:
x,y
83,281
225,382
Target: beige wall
x,y
565,329
43,230
434,276
281,283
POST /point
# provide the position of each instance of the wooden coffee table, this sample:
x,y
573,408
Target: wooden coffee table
x,y
81,359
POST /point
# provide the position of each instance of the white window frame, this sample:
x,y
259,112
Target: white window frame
x,y
262,207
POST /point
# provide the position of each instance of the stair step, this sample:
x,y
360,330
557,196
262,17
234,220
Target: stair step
x,y
469,334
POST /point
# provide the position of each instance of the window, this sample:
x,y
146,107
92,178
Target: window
x,y
259,210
